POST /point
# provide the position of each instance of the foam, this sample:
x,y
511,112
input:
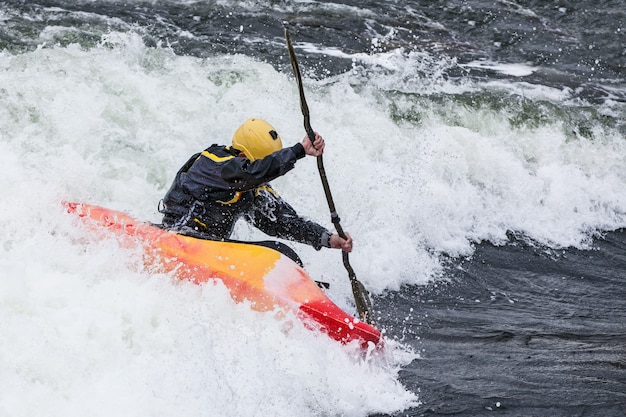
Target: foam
x,y
86,328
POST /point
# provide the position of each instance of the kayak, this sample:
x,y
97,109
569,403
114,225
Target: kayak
x,y
263,276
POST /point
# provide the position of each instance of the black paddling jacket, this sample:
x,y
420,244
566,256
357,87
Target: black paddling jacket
x,y
215,188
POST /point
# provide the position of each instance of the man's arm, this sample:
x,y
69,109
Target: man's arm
x,y
272,215
242,174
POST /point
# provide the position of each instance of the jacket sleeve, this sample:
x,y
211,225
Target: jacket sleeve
x,y
272,215
242,174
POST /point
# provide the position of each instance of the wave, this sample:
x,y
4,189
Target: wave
x,y
418,174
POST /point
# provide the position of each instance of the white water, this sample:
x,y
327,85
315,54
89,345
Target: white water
x,y
86,330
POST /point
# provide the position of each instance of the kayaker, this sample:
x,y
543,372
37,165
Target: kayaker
x,y
220,185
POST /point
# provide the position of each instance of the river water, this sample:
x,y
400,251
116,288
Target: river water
x,y
476,152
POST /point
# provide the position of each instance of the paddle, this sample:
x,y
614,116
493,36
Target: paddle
x,y
361,296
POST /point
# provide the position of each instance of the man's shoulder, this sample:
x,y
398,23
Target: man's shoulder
x,y
218,153
218,148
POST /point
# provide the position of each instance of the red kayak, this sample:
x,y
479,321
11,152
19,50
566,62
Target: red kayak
x,y
263,276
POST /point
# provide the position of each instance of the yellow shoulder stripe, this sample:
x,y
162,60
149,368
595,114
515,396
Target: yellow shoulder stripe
x,y
216,158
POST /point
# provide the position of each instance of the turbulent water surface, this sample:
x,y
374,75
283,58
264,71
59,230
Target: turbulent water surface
x,y
476,152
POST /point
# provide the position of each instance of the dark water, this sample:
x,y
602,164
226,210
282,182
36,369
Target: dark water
x,y
521,331
579,45
516,329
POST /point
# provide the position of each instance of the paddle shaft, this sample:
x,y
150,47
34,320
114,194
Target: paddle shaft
x,y
361,296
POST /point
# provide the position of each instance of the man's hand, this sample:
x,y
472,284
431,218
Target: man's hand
x,y
336,242
315,148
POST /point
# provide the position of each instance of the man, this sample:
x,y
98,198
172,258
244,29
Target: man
x,y
222,184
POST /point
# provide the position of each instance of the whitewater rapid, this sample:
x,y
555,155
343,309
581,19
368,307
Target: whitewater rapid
x,y
87,329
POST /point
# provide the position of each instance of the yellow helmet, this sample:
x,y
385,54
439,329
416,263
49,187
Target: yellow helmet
x,y
256,139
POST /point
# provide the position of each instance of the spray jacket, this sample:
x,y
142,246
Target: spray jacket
x,y
215,188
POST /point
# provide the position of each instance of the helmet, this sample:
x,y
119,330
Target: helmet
x,y
256,139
